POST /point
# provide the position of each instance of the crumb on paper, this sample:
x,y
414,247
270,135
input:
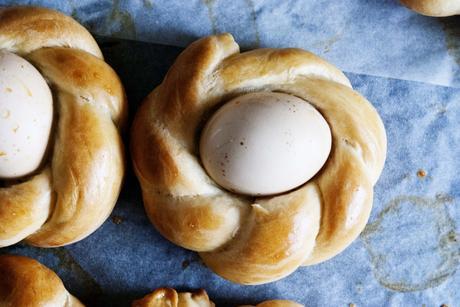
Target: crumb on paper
x,y
2,153
421,173
185,264
117,220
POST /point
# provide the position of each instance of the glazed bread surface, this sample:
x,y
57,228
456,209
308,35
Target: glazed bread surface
x,y
76,188
167,297
435,8
255,240
25,282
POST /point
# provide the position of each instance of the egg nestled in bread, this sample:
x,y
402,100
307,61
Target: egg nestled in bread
x,y
26,115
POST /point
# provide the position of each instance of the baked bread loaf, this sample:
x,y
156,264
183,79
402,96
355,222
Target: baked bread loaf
x,y
254,240
75,187
171,298
436,8
25,282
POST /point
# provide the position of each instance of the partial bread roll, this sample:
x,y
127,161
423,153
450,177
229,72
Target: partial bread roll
x,y
436,8
171,298
166,297
254,240
75,189
25,282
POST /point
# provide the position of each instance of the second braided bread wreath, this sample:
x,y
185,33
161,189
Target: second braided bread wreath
x,y
72,190
251,239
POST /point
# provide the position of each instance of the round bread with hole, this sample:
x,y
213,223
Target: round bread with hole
x,y
250,239
74,186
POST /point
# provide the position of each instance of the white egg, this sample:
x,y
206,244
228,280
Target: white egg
x,y
26,114
265,143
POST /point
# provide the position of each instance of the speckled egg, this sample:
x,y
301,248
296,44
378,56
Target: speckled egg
x,y
265,143
26,115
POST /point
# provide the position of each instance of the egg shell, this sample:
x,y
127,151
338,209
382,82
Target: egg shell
x,y
26,115
265,143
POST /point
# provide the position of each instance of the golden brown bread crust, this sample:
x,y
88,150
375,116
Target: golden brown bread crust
x,y
253,241
436,8
24,29
279,303
76,190
25,282
167,297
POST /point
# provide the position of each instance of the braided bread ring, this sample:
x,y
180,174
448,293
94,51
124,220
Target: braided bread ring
x,y
246,240
26,282
435,8
74,193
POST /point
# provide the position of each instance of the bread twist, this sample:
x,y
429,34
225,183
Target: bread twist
x,y
75,191
436,8
171,298
255,240
26,282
